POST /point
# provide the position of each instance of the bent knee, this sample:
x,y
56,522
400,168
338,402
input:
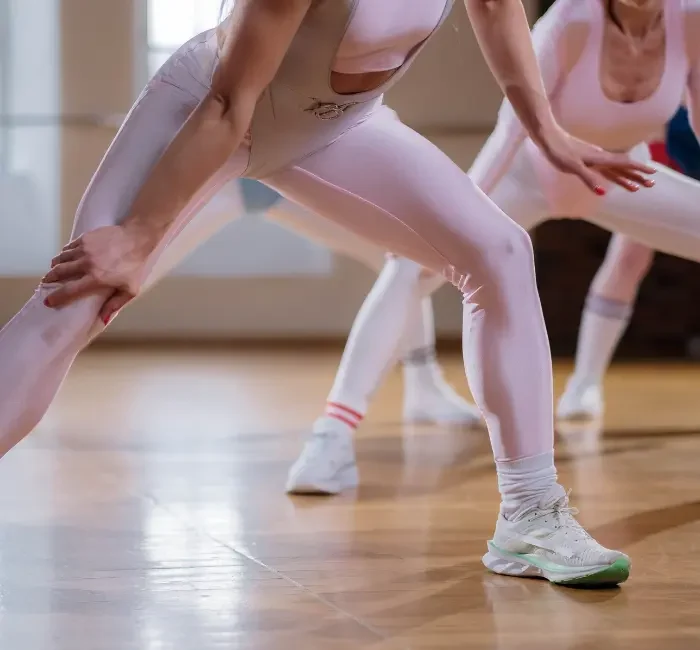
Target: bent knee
x,y
512,250
506,260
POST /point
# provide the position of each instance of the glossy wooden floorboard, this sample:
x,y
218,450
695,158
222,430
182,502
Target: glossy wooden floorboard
x,y
148,513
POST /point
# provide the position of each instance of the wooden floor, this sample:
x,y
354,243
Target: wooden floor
x,y
148,513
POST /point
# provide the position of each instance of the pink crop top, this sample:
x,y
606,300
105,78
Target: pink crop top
x,y
382,34
576,95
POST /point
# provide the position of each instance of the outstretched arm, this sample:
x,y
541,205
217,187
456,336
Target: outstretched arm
x,y
504,36
549,45
258,35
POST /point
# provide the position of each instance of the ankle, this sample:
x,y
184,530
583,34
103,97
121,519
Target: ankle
x,y
421,369
581,382
523,483
340,418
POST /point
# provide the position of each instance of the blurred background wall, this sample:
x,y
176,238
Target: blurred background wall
x,y
70,68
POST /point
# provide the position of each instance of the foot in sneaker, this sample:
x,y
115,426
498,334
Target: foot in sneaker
x,y
546,541
581,402
327,463
438,403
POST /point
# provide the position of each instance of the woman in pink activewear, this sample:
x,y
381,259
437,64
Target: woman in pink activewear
x,y
289,92
615,72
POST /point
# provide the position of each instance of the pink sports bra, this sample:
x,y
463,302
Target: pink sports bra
x,y
578,101
582,108
382,34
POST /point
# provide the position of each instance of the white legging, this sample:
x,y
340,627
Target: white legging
x,y
666,218
407,196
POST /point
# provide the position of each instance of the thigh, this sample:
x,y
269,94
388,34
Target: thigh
x,y
519,195
154,120
151,125
386,183
625,250
200,224
327,233
665,217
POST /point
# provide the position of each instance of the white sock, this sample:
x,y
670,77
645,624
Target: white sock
x,y
524,482
421,369
331,424
603,323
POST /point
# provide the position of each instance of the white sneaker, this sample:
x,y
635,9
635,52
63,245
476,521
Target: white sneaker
x,y
438,403
326,464
547,542
581,402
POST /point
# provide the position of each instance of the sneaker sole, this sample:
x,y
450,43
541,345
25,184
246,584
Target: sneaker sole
x,y
518,565
346,479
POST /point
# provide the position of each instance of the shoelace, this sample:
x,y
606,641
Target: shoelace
x,y
566,514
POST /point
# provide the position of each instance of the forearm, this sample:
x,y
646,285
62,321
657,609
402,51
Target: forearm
x,y
200,149
503,34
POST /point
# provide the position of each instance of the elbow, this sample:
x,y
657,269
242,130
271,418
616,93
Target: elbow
x,y
232,109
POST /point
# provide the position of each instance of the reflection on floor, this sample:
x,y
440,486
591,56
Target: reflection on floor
x,y
148,513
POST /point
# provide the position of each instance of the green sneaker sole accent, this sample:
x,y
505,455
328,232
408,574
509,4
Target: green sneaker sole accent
x,y
615,574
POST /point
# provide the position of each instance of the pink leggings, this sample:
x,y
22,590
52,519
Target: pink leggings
x,y
382,181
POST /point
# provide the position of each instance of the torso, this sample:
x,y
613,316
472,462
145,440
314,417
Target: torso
x,y
380,37
632,71
309,104
617,95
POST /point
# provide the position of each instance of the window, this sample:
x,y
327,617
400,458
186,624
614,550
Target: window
x,y
173,22
29,135
250,245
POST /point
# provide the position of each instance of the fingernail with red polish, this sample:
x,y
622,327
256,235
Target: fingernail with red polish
x,y
600,191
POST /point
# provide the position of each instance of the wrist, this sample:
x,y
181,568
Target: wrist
x,y
534,111
144,236
546,130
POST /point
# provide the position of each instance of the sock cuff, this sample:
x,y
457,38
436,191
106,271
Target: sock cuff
x,y
608,307
528,464
343,413
420,356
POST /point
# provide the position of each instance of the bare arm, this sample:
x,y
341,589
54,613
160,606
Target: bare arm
x,y
504,37
553,42
259,35
503,34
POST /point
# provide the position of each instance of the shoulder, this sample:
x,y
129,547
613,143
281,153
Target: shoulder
x,y
566,22
565,28
565,14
